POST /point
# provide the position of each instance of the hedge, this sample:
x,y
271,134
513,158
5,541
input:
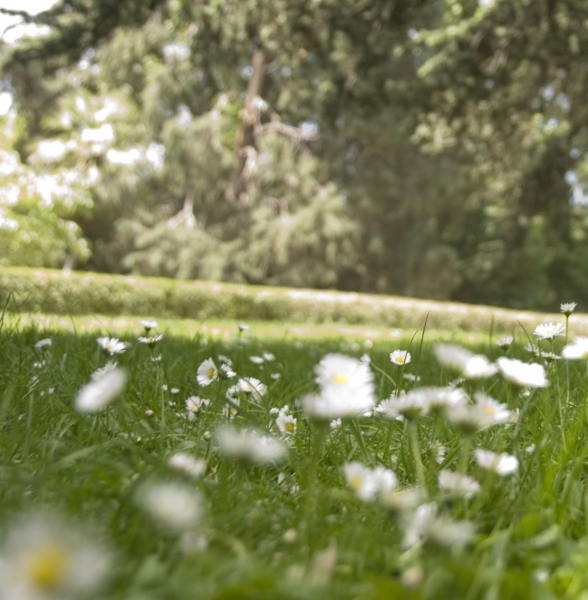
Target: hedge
x,y
83,293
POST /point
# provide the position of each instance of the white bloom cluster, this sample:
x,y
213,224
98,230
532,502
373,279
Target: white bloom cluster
x,y
283,421
346,389
457,484
172,504
368,483
102,389
578,350
186,463
194,404
112,345
250,445
502,464
523,374
463,362
425,524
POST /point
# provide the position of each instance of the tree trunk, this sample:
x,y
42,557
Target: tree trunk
x,y
245,142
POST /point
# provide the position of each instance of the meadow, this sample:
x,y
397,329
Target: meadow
x,y
144,467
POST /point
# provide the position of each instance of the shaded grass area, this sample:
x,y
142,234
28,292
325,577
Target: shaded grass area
x,y
78,293
266,528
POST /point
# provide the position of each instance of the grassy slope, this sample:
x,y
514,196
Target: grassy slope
x,y
50,291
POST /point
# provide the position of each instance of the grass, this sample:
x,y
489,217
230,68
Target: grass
x,y
294,529
84,293
226,329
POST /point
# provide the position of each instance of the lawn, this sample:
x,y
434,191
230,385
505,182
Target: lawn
x,y
173,477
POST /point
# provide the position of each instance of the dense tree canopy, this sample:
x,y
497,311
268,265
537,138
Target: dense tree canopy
x,y
432,148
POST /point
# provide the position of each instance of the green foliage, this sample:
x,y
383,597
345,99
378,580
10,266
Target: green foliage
x,y
433,148
37,212
47,291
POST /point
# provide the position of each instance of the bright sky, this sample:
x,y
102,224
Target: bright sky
x,y
31,6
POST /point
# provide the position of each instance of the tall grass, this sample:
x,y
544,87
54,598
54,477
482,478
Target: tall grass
x,y
293,529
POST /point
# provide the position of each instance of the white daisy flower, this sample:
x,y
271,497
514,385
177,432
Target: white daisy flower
x,y
243,327
207,373
100,391
368,483
523,374
251,385
485,412
439,451
173,505
225,359
441,398
400,357
547,331
568,308
44,558
425,524
495,411
285,423
226,371
402,501
232,393
41,344
186,463
504,342
194,404
275,376
232,407
149,325
502,464
268,357
410,405
411,378
250,445
112,345
256,360
347,388
456,483
578,350
462,361
151,341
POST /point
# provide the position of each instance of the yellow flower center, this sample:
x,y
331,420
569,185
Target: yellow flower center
x,y
400,360
47,567
339,379
489,410
289,427
210,373
355,482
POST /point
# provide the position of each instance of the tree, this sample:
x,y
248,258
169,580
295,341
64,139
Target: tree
x,y
221,87
507,83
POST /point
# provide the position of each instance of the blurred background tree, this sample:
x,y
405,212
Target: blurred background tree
x,y
431,148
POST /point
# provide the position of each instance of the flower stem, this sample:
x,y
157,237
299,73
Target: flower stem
x,y
464,458
414,442
319,434
356,430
